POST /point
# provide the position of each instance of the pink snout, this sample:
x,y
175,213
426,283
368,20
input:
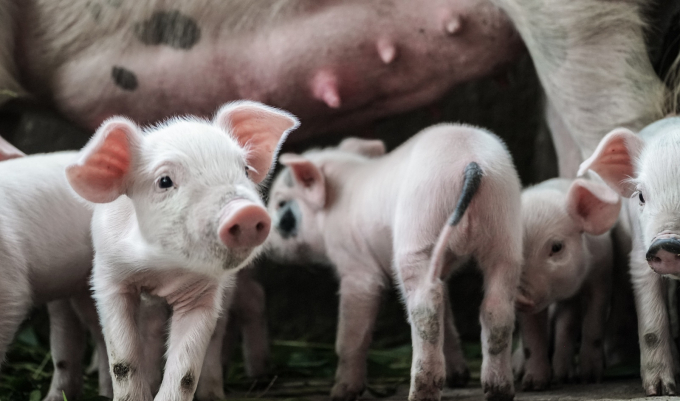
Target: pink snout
x,y
663,256
243,224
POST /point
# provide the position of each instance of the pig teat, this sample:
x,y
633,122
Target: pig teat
x,y
244,224
663,256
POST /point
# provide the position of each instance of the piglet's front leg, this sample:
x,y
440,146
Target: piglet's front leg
x,y
656,364
117,307
192,325
534,329
359,303
591,355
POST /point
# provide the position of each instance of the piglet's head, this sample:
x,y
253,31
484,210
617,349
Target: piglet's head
x,y
193,183
297,203
556,215
301,197
645,168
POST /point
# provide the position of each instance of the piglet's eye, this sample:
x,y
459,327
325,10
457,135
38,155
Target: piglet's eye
x,y
247,168
556,247
642,198
282,204
165,182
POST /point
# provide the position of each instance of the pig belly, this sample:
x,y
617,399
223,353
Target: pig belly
x,y
60,281
367,59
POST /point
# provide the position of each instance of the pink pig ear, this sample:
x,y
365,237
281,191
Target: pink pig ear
x,y
259,129
8,151
614,160
309,177
593,205
101,173
366,147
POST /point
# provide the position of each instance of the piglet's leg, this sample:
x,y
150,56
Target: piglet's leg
x,y
457,372
84,306
211,384
596,303
497,317
359,303
249,310
425,300
566,334
191,328
534,330
656,364
117,308
67,343
153,321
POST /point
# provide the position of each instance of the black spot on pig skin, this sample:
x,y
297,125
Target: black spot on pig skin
x,y
651,340
124,78
170,28
121,371
187,381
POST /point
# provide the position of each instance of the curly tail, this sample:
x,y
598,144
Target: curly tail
x,y
472,180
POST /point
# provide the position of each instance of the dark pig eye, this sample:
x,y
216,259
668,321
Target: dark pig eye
x,y
556,247
165,182
282,204
247,168
642,198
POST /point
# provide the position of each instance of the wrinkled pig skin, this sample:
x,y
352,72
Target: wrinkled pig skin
x,y
335,64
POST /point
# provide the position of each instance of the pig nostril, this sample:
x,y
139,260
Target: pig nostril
x,y
234,230
259,226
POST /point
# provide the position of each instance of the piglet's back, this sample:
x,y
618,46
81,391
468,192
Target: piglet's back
x,y
43,224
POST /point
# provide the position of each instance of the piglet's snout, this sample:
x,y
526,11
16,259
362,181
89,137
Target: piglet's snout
x,y
243,224
663,256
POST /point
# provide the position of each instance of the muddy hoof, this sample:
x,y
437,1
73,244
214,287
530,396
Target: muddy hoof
x,y
499,392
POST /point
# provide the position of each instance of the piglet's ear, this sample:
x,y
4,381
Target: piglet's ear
x,y
102,171
593,205
259,129
308,177
366,147
614,160
8,151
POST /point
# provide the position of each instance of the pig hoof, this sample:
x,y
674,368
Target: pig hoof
x,y
458,379
346,392
498,392
533,383
660,388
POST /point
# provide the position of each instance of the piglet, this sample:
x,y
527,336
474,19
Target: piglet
x,y
46,257
378,216
178,213
644,169
567,263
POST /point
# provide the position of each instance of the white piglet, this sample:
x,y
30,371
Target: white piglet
x,y
376,217
567,263
178,214
645,168
46,257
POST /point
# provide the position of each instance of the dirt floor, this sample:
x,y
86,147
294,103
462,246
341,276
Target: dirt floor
x,y
616,389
